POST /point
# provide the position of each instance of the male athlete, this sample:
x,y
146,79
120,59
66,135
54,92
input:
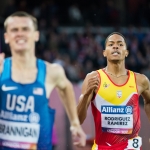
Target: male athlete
x,y
26,83
113,93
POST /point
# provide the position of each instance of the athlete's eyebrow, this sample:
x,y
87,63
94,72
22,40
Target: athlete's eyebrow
x,y
117,41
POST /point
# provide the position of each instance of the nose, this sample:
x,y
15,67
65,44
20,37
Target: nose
x,y
19,33
115,46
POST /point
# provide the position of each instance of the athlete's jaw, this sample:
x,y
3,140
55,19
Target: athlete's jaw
x,y
21,44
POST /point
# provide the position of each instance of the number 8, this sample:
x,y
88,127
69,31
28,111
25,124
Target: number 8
x,y
135,143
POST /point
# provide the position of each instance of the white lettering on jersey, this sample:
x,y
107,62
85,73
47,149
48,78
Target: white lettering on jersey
x,y
12,105
30,104
13,116
111,109
20,103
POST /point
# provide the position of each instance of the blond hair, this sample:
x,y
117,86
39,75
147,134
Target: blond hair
x,y
22,14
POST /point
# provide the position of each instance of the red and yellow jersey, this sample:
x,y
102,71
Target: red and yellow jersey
x,y
116,111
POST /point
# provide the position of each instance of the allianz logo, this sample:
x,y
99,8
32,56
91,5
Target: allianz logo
x,y
116,109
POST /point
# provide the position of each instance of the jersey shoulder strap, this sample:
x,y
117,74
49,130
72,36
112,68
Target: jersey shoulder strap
x,y
6,73
41,71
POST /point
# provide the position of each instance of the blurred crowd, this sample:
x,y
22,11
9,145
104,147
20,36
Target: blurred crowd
x,y
82,52
77,12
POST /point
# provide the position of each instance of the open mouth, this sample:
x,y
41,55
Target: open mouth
x,y
115,53
21,41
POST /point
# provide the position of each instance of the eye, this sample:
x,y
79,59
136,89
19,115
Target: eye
x,y
25,29
120,44
110,44
14,30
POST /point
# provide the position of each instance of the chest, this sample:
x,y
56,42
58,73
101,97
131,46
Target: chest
x,y
117,90
22,98
29,77
118,81
121,81
24,76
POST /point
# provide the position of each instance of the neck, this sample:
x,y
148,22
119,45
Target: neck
x,y
116,70
24,61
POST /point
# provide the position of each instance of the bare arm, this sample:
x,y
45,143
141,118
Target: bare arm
x,y
67,96
65,90
146,94
89,88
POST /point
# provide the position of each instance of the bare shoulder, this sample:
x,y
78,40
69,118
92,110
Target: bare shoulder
x,y
54,69
91,74
142,80
55,72
56,76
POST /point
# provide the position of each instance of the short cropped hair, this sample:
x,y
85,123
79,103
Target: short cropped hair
x,y
113,34
22,14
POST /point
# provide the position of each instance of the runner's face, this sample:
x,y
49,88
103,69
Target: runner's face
x,y
115,48
20,34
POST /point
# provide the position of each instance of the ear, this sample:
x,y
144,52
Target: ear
x,y
126,53
104,53
37,35
6,38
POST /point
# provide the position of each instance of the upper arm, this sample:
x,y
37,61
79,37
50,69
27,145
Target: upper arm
x,y
57,76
